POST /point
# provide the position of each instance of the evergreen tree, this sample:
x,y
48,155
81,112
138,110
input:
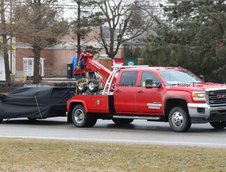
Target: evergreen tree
x,y
192,35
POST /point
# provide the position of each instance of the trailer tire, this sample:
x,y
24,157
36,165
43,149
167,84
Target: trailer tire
x,y
81,119
179,119
119,121
93,86
218,125
1,120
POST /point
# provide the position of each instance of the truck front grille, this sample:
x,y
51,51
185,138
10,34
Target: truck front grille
x,y
217,97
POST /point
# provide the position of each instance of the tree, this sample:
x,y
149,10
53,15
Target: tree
x,y
118,18
39,25
4,34
192,35
82,24
137,16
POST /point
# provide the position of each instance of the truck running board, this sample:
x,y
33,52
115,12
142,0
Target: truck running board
x,y
149,118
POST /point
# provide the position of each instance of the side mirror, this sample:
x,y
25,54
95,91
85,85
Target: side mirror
x,y
149,84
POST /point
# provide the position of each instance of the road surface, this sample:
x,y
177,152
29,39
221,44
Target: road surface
x,y
139,132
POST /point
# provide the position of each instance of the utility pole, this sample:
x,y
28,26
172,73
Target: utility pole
x,y
78,28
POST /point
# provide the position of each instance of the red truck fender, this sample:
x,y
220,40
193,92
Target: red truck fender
x,y
72,103
172,100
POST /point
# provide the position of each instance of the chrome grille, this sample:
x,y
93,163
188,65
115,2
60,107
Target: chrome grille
x,y
217,97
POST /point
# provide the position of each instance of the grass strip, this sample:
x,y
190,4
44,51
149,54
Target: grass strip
x,y
42,155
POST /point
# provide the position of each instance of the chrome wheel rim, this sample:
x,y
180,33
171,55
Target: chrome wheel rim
x,y
91,86
80,86
177,119
79,116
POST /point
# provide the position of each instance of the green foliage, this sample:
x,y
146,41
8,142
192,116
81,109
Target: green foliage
x,y
131,52
192,36
92,50
137,15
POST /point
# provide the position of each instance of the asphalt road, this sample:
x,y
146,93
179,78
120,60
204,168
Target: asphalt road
x,y
139,132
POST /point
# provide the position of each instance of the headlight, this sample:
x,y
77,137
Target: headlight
x,y
199,95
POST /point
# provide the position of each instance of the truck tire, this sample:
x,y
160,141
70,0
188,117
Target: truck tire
x,y
120,121
93,86
218,125
179,119
81,119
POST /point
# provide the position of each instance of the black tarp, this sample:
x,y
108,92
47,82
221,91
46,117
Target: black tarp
x,y
35,102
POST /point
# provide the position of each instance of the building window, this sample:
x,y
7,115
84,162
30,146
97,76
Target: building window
x,y
28,66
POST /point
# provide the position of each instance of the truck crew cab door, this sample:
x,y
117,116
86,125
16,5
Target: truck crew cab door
x,y
149,100
125,93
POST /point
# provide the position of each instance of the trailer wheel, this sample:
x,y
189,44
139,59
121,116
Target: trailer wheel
x,y
93,86
82,85
81,119
1,120
179,119
218,125
120,121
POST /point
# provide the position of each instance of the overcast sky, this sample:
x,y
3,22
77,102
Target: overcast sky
x,y
70,7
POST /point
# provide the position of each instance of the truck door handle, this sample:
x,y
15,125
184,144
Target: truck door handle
x,y
140,91
118,91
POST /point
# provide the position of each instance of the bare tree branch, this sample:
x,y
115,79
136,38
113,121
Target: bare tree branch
x,y
37,24
117,16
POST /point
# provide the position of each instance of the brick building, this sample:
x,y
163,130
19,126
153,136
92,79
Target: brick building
x,y
56,58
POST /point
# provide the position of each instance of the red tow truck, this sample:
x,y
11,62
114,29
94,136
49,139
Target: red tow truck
x,y
167,94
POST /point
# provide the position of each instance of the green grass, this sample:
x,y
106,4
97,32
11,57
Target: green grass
x,y
41,155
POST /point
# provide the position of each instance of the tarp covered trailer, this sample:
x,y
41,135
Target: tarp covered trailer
x,y
35,102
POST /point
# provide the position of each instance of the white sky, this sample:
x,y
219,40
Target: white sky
x,y
70,7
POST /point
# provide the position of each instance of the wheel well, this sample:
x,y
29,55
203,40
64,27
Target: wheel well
x,y
170,103
72,105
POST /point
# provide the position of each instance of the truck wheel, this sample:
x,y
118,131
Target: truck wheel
x,y
93,86
81,119
179,119
82,86
218,125
120,121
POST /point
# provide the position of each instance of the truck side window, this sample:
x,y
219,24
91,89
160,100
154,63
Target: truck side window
x,y
148,75
128,79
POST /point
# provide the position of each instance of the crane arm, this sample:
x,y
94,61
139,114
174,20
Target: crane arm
x,y
94,66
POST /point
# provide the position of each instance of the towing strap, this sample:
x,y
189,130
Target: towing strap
x,y
38,107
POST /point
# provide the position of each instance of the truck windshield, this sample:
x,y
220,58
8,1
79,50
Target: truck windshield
x,y
179,77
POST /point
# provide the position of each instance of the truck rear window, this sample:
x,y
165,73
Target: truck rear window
x,y
128,79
